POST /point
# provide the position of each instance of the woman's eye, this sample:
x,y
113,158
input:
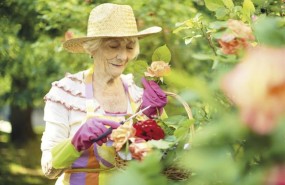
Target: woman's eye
x,y
130,46
113,46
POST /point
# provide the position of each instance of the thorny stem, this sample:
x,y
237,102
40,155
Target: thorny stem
x,y
208,39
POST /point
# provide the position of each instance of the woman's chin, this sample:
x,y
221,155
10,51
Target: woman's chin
x,y
116,74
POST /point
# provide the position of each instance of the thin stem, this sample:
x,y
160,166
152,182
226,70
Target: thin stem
x,y
208,39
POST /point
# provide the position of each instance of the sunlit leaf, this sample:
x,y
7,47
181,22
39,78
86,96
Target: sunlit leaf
x,y
221,13
188,40
247,10
162,54
228,3
213,5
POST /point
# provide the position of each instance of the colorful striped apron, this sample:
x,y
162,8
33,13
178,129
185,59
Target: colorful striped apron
x,y
96,164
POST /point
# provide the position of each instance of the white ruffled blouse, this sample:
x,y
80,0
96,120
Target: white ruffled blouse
x,y
65,109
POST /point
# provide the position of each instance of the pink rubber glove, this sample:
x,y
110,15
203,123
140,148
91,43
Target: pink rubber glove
x,y
91,130
153,96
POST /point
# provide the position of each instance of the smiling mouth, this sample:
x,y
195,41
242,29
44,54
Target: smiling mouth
x,y
117,65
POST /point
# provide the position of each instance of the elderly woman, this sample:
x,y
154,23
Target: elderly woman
x,y
80,107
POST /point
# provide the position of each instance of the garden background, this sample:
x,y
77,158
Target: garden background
x,y
238,110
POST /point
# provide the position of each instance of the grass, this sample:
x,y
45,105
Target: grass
x,y
20,165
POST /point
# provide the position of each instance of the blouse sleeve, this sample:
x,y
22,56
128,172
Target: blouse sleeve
x,y
57,129
65,96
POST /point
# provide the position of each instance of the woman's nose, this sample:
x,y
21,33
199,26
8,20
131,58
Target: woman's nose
x,y
123,55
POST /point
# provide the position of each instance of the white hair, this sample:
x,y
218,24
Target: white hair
x,y
93,45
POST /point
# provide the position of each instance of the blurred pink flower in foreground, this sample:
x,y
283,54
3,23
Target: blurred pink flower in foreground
x,y
257,87
237,37
276,176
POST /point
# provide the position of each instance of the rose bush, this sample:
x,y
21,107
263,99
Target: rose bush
x,y
151,130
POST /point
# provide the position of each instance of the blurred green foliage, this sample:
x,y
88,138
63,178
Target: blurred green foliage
x,y
20,165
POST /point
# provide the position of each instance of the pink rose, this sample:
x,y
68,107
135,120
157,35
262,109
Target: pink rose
x,y
139,148
240,29
121,135
232,46
238,37
158,69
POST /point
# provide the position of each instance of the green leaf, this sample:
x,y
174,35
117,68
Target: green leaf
x,y
182,132
270,31
215,64
147,171
259,2
221,13
162,54
213,5
228,3
170,138
177,30
247,10
188,40
161,144
218,25
174,121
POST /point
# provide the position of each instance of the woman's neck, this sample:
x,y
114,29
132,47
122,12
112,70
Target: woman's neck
x,y
109,92
104,81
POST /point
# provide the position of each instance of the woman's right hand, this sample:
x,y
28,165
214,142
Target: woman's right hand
x,y
91,130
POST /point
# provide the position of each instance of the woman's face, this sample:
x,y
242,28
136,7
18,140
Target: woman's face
x,y
115,54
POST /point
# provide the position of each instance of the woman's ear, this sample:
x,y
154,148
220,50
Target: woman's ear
x,y
93,53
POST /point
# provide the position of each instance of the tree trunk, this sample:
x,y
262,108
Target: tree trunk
x,y
21,121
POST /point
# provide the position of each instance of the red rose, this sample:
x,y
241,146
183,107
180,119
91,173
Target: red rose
x,y
149,130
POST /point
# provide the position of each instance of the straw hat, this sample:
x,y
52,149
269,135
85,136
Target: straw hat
x,y
109,20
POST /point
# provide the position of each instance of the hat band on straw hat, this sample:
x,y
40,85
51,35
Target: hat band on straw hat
x,y
109,20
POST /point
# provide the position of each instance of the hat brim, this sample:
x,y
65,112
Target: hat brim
x,y
75,45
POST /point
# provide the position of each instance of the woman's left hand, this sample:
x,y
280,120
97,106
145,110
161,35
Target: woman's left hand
x,y
154,97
